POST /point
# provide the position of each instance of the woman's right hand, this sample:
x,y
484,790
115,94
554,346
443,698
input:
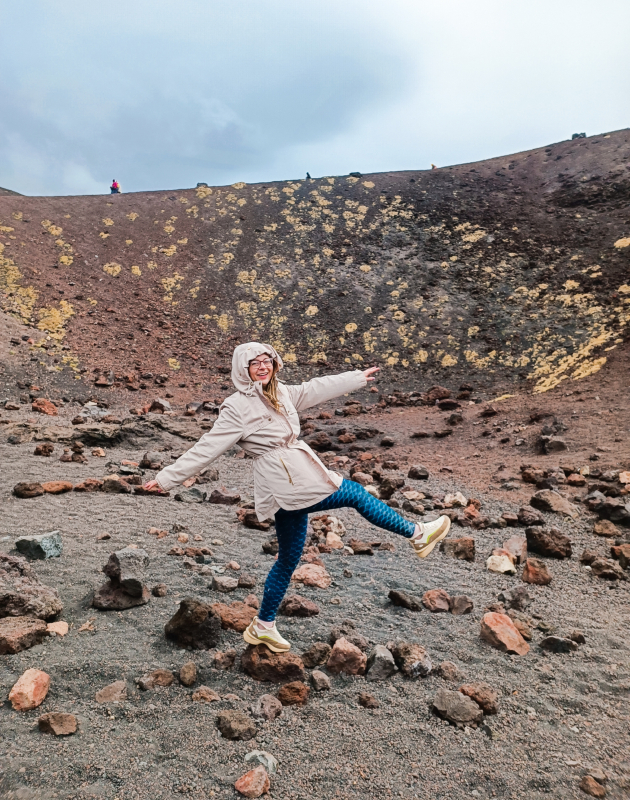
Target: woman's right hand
x,y
152,485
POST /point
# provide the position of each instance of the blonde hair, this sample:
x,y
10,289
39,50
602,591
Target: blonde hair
x,y
271,389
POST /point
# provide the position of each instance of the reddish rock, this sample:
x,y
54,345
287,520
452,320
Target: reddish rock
x,y
527,516
89,485
548,500
204,694
159,677
57,487
516,546
499,631
293,694
252,600
536,572
316,654
312,575
510,518
461,604
249,518
235,617
590,786
58,723
484,695
576,479
235,725
267,707
159,590
112,484
224,660
346,657
463,548
604,527
551,542
188,673
57,628
194,625
436,600
405,600
607,569
112,693
20,633
363,478
263,665
411,659
621,554
295,605
254,783
360,548
30,690
28,490
44,406
45,449
367,700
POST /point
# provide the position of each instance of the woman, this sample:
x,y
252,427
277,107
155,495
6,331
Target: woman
x,y
289,479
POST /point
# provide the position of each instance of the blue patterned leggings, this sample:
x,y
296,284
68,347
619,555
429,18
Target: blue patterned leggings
x,y
291,532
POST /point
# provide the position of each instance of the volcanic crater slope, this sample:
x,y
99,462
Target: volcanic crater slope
x,y
511,269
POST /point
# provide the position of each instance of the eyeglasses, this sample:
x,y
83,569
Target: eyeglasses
x,y
266,362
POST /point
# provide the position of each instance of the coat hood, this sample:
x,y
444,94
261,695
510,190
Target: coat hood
x,y
245,353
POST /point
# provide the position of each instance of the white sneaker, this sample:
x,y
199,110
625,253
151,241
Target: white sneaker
x,y
428,534
256,634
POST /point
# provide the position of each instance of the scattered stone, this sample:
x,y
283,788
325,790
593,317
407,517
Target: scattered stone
x,y
347,631
621,553
125,588
223,497
235,725
294,693
151,460
608,569
235,617
367,700
536,572
485,696
45,449
463,548
558,644
316,654
312,575
57,723
590,786
43,406
502,564
224,660
30,690
405,600
267,707
22,594
550,542
604,527
346,657
188,673
449,671
57,628
411,659
499,631
295,605
528,517
46,545
254,783
159,590
418,473
263,665
113,484
457,708
89,485
224,584
360,548
456,500
436,600
517,547
57,487
461,604
517,598
380,664
28,490
20,633
159,677
204,694
270,546
548,500
252,600
113,693
98,452
194,625
320,681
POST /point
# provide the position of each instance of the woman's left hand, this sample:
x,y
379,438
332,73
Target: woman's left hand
x,y
369,371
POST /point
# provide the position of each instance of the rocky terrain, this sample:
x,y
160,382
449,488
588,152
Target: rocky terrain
x,y
497,667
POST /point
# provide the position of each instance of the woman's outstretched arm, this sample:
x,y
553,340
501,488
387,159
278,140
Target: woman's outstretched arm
x,y
319,390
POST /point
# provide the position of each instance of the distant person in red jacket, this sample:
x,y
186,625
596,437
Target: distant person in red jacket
x,y
115,187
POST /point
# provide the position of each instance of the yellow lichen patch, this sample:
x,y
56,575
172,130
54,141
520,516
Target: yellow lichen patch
x,y
136,271
182,241
203,191
448,360
351,327
66,261
132,215
283,273
53,318
265,292
17,215
569,285
193,211
502,397
103,235
624,289
289,358
71,361
368,184
6,229
223,322
107,222
473,330
151,265
239,185
227,257
171,285
168,228
357,357
365,268
589,368
112,268
169,251
53,230
319,358
16,299
174,364
128,241
311,311
246,278
622,242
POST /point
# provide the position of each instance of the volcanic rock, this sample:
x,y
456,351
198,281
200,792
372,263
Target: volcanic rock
x,y
267,707
44,406
46,545
528,517
436,600
45,449
590,786
57,723
89,485
501,563
449,671
463,548
517,598
548,500
224,583
380,664
312,575
263,665
536,572
484,695
254,783
194,625
57,487
346,657
551,542
320,681
405,600
558,644
20,633
418,473
30,690
204,694
27,490
411,659
235,725
21,593
499,631
605,527
294,693
159,677
235,617
188,673
608,569
113,693
461,604
295,605
316,654
457,708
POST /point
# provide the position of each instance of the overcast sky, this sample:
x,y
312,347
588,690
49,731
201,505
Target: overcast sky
x,y
161,94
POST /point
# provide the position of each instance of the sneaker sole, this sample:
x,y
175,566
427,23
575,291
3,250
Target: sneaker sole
x,y
437,538
250,639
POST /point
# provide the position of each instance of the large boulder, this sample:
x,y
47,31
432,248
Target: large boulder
x,y
22,594
548,542
194,625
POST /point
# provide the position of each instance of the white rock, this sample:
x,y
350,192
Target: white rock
x,y
334,541
456,500
501,564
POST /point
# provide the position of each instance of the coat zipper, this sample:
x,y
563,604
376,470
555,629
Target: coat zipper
x,y
286,470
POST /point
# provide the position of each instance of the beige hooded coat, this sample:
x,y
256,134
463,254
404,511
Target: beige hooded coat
x,y
287,473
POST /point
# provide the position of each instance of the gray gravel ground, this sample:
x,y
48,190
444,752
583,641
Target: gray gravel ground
x,y
559,714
